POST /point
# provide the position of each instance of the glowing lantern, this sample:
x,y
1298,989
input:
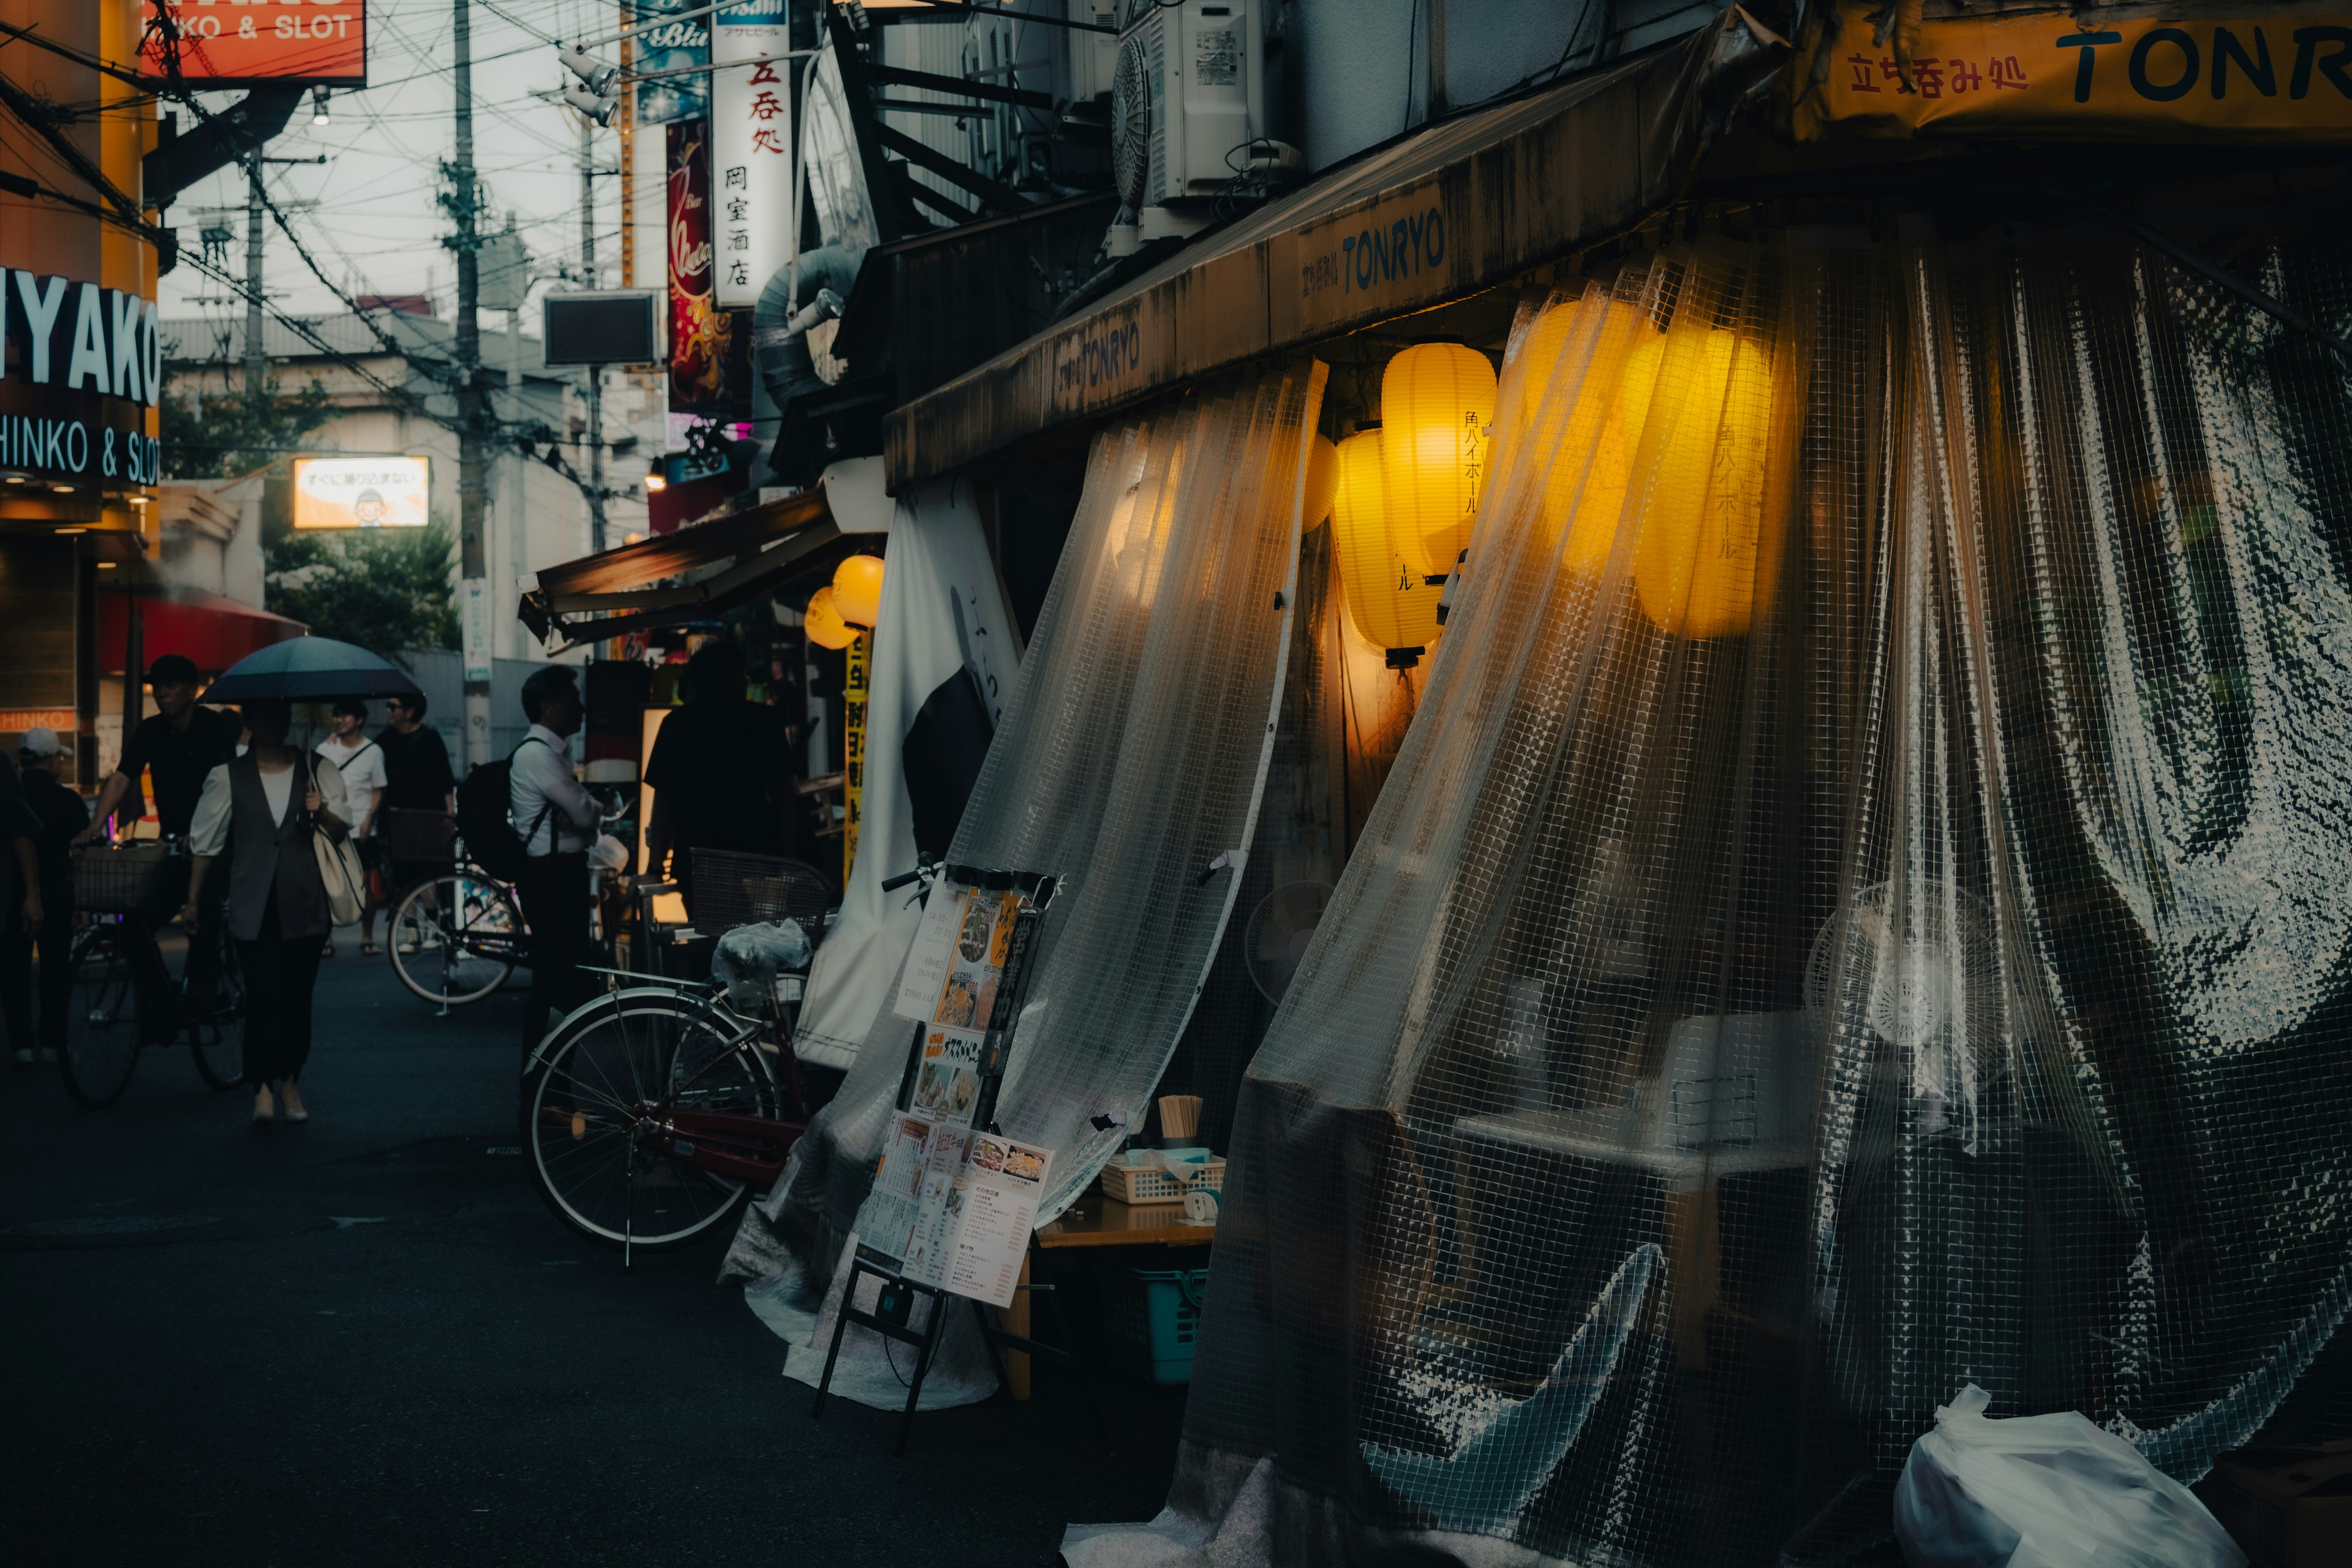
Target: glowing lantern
x,y
857,590
1322,482
1576,416
823,623
1386,597
1437,401
1697,411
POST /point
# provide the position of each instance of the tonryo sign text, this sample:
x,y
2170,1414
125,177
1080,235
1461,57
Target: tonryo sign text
x,y
230,43
78,370
750,151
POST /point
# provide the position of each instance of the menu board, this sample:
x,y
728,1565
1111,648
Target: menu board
x,y
957,961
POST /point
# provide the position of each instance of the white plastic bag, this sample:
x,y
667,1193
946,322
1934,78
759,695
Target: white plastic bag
x,y
2045,1492
748,959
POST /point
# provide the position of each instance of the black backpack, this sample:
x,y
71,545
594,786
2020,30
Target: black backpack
x,y
482,805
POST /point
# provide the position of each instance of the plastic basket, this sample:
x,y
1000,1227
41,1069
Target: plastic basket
x,y
117,881
1152,1185
1151,1315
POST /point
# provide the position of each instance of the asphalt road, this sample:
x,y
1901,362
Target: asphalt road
x,y
366,1341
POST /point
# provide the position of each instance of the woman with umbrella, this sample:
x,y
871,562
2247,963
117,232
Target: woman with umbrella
x,y
267,805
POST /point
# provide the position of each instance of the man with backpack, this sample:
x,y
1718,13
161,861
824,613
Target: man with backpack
x,y
553,816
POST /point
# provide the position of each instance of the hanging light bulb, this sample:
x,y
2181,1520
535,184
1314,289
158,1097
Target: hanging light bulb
x,y
823,623
1389,597
1322,482
857,590
1697,408
1437,401
319,106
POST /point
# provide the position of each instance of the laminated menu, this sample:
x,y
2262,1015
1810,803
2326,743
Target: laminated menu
x,y
957,961
947,1074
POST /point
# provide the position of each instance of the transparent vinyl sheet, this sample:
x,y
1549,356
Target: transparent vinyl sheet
x,y
1863,909
1132,754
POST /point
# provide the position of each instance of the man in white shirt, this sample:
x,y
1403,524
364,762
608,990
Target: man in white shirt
x,y
360,761
555,818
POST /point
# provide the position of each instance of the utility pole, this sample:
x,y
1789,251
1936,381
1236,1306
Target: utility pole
x,y
595,372
256,362
474,601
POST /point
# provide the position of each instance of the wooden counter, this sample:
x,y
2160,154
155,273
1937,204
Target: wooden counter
x,y
1099,1221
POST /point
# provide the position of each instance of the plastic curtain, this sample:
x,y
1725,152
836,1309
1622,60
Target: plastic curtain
x,y
1863,909
1132,753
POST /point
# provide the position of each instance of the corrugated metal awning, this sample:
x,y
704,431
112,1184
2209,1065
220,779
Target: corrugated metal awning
x,y
1462,206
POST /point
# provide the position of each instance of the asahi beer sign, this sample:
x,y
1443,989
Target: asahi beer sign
x,y
81,366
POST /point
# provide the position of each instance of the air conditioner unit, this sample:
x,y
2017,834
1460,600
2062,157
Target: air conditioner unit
x,y
1188,98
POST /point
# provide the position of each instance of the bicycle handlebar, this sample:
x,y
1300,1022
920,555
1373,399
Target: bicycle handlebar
x,y
892,884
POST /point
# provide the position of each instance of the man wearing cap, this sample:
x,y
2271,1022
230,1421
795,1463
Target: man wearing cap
x,y
179,746
44,758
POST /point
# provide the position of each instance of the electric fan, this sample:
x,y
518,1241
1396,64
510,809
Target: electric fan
x,y
1277,933
1919,976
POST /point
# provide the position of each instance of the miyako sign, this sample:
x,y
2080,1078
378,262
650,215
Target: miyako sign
x,y
81,366
363,492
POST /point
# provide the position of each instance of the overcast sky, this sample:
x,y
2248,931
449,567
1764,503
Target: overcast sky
x,y
376,228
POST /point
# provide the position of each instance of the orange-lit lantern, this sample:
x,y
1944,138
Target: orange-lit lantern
x,y
823,623
1322,482
1437,401
857,590
1387,596
1574,420
1697,408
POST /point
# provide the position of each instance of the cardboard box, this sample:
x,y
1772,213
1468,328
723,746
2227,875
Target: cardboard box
x,y
2288,1508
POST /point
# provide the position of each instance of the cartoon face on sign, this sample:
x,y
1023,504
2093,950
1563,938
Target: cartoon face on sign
x,y
369,509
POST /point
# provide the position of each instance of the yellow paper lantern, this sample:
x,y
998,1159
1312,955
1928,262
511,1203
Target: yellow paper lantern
x,y
1322,482
1437,401
823,623
857,590
1386,597
1575,418
1697,408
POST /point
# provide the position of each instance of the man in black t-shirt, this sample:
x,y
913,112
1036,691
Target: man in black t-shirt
x,y
721,772
176,748
416,777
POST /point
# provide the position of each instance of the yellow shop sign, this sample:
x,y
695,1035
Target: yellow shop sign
x,y
2228,76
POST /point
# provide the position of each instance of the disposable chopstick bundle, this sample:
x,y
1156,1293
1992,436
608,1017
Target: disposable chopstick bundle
x,y
1180,1115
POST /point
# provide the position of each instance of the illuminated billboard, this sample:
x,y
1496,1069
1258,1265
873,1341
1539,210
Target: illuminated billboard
x,y
363,492
304,43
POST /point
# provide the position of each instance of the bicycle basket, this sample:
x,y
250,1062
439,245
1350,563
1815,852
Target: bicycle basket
x,y
731,890
117,881
428,836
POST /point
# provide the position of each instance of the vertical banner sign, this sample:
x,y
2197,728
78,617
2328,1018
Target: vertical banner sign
x,y
751,150
474,627
698,333
662,46
853,747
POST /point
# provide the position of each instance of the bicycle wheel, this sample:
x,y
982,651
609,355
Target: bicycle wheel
x,y
579,1106
102,1031
216,1040
454,938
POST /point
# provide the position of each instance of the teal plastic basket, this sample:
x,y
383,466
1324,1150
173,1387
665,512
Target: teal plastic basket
x,y
1151,1316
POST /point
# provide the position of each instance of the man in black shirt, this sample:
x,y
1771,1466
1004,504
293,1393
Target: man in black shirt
x,y
179,746
721,772
176,748
416,777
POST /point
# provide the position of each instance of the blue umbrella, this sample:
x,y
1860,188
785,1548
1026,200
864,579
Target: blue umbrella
x,y
309,669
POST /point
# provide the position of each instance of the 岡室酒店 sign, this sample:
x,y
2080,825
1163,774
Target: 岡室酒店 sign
x,y
2091,75
236,43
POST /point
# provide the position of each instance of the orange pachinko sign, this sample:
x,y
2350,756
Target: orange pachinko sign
x,y
241,43
2229,76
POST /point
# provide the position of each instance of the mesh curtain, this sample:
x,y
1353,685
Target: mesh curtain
x,y
1863,909
1132,753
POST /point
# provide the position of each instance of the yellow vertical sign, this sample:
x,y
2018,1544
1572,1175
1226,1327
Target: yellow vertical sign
x,y
853,750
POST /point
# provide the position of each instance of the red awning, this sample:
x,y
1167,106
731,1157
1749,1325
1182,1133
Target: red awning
x,y
214,631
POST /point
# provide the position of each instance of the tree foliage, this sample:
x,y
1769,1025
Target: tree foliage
x,y
223,435
382,589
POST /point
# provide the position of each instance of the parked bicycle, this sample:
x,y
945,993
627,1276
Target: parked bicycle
x,y
113,886
651,1113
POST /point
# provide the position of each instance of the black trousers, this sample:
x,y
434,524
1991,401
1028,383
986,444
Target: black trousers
x,y
55,939
280,972
155,994
554,893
